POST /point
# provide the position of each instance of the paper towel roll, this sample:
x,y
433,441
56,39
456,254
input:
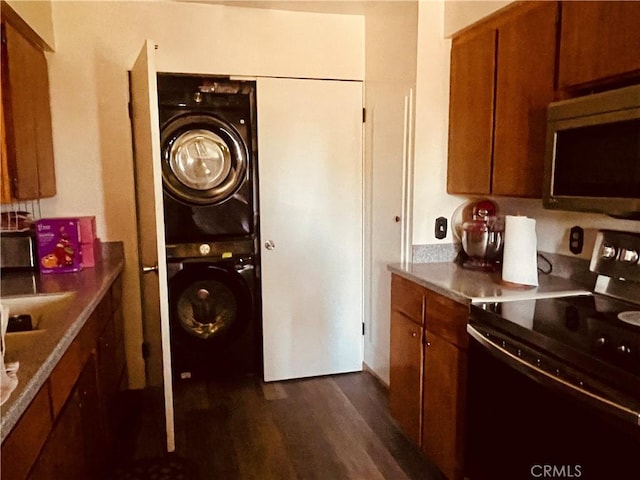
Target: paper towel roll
x,y
520,259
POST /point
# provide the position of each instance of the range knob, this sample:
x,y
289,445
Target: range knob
x,y
602,342
608,252
628,255
624,349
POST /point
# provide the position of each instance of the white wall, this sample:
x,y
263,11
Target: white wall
x,y
552,226
391,44
96,44
432,122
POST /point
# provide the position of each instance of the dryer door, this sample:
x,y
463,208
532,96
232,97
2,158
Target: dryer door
x,y
204,160
209,305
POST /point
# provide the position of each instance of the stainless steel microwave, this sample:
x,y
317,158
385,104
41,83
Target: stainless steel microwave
x,y
593,154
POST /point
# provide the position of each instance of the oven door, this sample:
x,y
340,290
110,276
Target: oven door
x,y
525,421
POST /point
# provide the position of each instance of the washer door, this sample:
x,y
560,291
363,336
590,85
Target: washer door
x,y
204,160
209,305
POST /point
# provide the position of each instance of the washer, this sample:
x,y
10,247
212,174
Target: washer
x,y
214,310
209,152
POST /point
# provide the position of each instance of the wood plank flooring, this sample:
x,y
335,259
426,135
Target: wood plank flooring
x,y
325,428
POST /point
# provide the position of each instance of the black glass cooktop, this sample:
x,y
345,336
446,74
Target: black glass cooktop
x,y
596,334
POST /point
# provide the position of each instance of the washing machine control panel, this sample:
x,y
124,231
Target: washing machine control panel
x,y
221,249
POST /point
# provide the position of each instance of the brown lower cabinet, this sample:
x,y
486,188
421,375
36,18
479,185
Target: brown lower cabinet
x,y
406,374
428,372
67,430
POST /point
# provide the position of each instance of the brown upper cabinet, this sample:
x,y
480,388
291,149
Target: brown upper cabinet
x,y
502,79
599,43
28,170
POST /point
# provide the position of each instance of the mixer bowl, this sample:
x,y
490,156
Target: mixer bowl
x,y
482,244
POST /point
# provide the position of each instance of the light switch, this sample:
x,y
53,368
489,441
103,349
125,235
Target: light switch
x,y
441,228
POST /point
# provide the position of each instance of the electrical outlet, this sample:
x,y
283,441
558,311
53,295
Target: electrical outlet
x,y
576,240
441,228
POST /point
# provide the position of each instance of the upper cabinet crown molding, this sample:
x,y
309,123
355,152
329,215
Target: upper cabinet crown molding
x,y
32,19
460,16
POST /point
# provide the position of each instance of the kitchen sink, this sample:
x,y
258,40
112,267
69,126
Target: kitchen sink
x,y
32,315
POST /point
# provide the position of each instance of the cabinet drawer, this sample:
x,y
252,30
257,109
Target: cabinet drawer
x,y
447,318
64,376
407,298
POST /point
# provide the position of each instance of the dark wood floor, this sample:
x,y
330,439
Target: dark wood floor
x,y
325,428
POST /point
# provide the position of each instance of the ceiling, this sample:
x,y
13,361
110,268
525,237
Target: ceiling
x,y
346,7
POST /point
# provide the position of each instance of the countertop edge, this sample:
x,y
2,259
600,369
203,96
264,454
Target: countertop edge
x,y
467,286
422,281
112,267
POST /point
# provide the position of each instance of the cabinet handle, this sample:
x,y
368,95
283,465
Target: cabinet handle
x,y
413,334
428,344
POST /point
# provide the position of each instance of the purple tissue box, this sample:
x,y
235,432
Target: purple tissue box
x,y
59,245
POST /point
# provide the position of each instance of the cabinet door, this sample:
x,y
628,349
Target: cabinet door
x,y
471,111
63,456
311,212
27,111
27,438
443,405
525,87
599,40
405,375
5,175
97,444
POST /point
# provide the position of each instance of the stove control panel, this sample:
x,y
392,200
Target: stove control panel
x,y
617,255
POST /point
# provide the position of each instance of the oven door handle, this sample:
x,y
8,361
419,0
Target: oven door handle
x,y
509,357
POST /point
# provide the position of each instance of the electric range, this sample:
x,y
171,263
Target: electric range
x,y
589,343
563,370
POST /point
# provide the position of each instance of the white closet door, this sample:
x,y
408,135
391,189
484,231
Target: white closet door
x,y
150,219
311,226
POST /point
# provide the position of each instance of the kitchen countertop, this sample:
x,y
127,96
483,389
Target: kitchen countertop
x,y
90,286
467,286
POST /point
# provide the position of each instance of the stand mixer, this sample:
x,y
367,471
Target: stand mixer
x,y
481,235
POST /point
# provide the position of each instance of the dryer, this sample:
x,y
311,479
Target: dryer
x,y
209,152
214,310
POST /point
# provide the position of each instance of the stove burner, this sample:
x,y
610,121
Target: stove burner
x,y
632,317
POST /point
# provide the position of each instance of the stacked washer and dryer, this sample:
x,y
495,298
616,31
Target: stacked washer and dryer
x,y
209,172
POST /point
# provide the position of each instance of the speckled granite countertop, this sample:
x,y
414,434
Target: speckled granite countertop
x,y
466,286
90,286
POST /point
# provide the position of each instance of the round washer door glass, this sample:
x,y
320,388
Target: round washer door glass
x,y
207,309
204,160
200,159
